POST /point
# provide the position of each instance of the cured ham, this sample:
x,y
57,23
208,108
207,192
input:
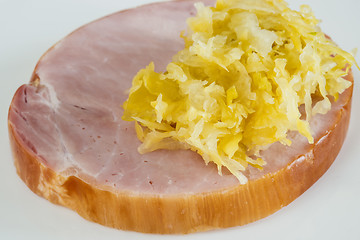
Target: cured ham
x,y
71,146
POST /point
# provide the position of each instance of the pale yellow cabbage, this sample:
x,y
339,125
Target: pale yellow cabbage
x,y
237,85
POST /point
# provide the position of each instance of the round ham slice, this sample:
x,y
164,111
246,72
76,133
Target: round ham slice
x,y
71,147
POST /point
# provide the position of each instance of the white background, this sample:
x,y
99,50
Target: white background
x,y
328,210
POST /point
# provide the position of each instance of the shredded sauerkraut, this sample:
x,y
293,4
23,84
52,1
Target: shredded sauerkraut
x,y
237,85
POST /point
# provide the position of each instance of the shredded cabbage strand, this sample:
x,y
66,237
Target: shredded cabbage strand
x,y
237,85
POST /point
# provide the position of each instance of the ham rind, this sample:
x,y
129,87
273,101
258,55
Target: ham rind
x,y
68,117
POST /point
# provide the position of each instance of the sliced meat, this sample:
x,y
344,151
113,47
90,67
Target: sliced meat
x,y
70,144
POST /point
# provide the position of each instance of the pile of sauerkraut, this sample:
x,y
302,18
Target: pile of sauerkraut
x,y
237,85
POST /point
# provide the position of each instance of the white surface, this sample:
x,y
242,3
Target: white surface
x,y
328,210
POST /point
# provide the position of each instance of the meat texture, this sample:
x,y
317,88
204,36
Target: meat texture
x,y
71,146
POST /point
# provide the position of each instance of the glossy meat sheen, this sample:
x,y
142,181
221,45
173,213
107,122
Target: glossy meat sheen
x,y
72,122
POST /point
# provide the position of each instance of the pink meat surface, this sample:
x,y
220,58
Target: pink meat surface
x,y
72,120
